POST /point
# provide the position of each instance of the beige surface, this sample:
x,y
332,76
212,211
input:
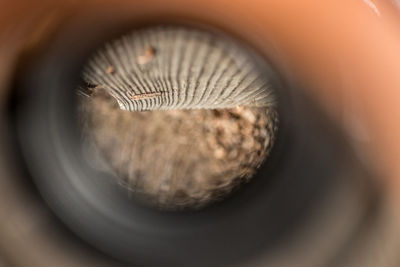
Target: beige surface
x,y
177,159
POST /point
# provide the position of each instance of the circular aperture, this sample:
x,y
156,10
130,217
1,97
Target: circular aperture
x,y
300,164
181,117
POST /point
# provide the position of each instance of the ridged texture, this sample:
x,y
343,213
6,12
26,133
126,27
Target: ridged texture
x,y
171,67
213,121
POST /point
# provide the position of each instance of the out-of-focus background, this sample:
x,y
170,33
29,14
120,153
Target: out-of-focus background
x,y
335,202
